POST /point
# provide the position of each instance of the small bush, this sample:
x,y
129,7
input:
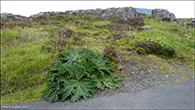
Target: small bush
x,y
79,73
155,48
160,40
111,54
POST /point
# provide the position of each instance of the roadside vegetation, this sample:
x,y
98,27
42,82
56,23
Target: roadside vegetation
x,y
29,47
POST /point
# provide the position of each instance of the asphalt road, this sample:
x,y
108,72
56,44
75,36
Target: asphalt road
x,y
166,96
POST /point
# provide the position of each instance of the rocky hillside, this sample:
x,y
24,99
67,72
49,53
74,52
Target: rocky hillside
x,y
124,12
145,50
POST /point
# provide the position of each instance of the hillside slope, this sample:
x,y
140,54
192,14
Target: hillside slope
x,y
30,46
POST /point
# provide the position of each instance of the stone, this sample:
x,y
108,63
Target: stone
x,y
145,28
126,12
120,67
163,14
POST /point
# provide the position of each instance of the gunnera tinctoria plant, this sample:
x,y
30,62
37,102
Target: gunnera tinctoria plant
x,y
156,45
79,73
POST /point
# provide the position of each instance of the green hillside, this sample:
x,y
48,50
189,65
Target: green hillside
x,y
28,47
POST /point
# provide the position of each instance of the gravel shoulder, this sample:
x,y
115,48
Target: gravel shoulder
x,y
165,96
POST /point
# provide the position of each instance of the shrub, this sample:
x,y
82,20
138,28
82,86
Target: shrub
x,y
79,73
155,48
160,40
111,54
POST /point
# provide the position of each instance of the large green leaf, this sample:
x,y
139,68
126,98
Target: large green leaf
x,y
88,66
69,55
68,87
101,63
52,94
112,81
74,55
74,70
77,89
58,68
83,88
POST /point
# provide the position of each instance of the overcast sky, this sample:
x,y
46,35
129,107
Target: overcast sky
x,y
181,9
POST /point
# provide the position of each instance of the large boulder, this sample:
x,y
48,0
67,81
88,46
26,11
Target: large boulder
x,y
89,11
45,14
107,13
163,14
97,12
126,12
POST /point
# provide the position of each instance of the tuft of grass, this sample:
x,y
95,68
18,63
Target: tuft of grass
x,y
27,95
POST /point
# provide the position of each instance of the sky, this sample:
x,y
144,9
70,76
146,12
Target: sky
x,y
181,9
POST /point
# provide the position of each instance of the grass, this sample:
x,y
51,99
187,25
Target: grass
x,y
28,48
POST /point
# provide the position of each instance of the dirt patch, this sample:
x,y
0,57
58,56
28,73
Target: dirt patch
x,y
144,73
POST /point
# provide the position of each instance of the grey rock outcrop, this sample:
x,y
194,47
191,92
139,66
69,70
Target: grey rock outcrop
x,y
5,16
163,14
44,14
107,13
97,12
126,12
89,11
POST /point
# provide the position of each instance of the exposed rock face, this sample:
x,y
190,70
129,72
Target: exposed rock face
x,y
162,14
107,13
97,12
44,14
126,12
5,16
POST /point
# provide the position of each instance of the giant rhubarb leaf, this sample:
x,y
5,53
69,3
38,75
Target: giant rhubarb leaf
x,y
74,70
87,66
58,68
101,63
74,55
52,94
112,81
77,89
